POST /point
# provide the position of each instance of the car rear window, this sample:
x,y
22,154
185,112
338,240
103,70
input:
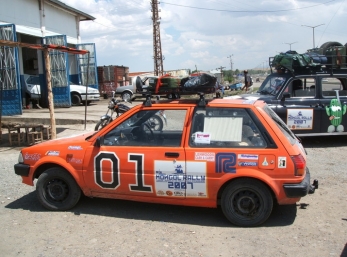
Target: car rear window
x,y
281,125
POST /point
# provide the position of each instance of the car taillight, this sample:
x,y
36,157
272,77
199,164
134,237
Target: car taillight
x,y
300,164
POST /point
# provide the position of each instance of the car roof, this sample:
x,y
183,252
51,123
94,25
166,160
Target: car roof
x,y
227,102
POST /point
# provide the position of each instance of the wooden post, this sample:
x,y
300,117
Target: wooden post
x,y
50,93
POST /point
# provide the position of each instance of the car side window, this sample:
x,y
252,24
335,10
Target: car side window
x,y
332,86
224,127
303,88
148,128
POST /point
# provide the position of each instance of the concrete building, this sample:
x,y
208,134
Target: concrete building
x,y
42,22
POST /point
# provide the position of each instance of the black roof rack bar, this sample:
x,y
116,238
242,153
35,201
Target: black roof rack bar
x,y
148,101
201,102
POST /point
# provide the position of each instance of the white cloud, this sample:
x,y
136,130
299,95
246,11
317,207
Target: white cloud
x,y
123,35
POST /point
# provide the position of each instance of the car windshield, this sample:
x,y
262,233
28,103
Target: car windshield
x,y
272,84
34,80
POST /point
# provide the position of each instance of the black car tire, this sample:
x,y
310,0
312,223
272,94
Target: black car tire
x,y
57,190
246,202
75,100
326,45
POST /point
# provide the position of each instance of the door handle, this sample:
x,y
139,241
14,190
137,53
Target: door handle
x,y
175,155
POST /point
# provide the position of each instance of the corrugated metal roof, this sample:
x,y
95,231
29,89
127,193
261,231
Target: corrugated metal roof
x,y
83,15
37,33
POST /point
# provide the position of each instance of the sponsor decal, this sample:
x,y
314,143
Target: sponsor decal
x,y
249,164
53,153
265,163
282,162
202,138
299,118
74,160
75,147
173,180
210,157
248,156
160,192
225,162
33,157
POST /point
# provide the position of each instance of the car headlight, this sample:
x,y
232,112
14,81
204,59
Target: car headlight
x,y
20,158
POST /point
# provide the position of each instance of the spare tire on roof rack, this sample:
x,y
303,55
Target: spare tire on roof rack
x,y
326,45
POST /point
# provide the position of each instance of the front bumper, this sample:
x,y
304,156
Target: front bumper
x,y
91,97
302,189
22,169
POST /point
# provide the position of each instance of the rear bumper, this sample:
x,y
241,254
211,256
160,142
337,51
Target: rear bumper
x,y
301,189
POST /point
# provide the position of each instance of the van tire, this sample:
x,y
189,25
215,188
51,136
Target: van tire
x,y
246,202
326,45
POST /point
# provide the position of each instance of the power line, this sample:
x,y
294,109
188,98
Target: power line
x,y
267,11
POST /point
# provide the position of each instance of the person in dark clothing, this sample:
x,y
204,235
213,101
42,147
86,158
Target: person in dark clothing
x,y
247,81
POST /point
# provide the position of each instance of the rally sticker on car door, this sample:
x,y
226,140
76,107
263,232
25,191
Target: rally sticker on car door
x,y
172,179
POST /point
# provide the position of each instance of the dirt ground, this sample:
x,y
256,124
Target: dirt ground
x,y
316,226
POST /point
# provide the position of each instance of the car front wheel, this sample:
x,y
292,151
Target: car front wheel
x,y
246,202
75,99
57,190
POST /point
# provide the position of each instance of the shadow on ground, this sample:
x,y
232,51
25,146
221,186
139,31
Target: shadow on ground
x,y
324,141
281,215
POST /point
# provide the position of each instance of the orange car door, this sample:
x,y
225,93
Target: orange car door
x,y
139,161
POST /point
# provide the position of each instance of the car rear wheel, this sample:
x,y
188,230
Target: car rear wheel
x,y
246,202
75,99
57,190
126,96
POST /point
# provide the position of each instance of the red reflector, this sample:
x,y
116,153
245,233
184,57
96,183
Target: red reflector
x,y
300,164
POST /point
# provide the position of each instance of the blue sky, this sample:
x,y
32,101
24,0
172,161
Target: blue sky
x,y
205,32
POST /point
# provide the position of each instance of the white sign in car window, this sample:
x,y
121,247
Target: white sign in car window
x,y
299,118
224,129
202,138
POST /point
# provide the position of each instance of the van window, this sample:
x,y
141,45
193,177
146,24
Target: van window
x,y
303,88
330,87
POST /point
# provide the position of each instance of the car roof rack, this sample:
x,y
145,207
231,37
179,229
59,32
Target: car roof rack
x,y
202,101
148,101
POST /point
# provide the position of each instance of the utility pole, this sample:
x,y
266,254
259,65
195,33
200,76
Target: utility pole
x,y
313,27
221,72
290,45
158,57
231,66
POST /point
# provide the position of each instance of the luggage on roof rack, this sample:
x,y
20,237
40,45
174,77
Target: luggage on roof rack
x,y
331,55
293,61
203,83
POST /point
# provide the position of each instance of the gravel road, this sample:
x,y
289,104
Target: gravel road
x,y
316,226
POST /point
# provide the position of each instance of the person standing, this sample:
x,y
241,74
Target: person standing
x,y
247,80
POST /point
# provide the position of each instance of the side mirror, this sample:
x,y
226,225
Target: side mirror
x,y
284,96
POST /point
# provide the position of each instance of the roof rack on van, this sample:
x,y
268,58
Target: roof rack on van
x,y
330,58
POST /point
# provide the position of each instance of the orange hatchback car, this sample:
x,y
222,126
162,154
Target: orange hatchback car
x,y
235,153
